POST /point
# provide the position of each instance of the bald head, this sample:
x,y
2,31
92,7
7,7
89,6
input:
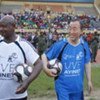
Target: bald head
x,y
7,27
7,20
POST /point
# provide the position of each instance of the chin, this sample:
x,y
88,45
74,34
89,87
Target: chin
x,y
74,39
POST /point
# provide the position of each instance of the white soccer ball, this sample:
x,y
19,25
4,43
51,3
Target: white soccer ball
x,y
55,66
22,72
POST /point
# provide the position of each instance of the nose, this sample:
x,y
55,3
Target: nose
x,y
72,31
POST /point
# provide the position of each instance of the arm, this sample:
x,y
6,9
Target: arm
x,y
36,71
88,76
45,68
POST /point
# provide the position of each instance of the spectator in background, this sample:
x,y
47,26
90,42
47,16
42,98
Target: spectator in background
x,y
42,42
55,37
35,40
94,46
89,38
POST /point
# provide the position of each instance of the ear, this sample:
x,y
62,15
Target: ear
x,y
14,25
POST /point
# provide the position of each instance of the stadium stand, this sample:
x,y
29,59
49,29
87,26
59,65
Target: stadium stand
x,y
37,19
10,8
86,10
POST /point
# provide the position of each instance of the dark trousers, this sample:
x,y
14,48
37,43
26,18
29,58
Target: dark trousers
x,y
20,99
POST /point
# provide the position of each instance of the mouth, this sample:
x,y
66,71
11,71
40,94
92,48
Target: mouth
x,y
73,38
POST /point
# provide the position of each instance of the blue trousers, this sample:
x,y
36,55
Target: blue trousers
x,y
70,96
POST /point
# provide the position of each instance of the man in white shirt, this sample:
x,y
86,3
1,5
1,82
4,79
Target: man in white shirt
x,y
10,89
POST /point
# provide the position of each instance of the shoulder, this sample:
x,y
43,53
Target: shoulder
x,y
83,42
61,42
25,44
24,41
56,46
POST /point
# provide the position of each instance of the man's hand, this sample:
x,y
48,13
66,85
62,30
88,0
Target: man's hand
x,y
51,72
22,88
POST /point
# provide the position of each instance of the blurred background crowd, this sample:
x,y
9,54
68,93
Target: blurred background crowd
x,y
43,23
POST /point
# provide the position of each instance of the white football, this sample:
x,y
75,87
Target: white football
x,y
55,66
22,72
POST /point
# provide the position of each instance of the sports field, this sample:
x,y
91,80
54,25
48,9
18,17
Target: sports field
x,y
43,87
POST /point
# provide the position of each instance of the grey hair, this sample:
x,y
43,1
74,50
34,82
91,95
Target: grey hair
x,y
76,19
8,20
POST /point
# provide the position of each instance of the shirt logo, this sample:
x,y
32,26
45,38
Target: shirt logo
x,y
12,57
79,56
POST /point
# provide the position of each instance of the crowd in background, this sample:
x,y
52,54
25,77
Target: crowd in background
x,y
42,40
35,19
